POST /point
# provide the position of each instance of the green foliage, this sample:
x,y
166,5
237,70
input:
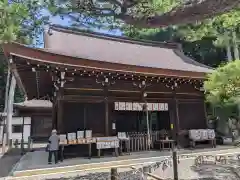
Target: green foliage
x,y
12,17
2,82
21,20
203,50
219,27
141,13
204,41
223,85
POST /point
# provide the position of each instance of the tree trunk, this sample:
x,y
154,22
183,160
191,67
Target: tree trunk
x,y
228,46
235,46
10,110
229,53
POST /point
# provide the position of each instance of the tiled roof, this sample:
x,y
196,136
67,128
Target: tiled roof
x,y
120,50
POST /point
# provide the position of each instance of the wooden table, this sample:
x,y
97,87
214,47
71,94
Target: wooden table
x,y
88,142
107,143
170,144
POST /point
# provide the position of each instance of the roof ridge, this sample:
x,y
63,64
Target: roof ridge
x,y
71,30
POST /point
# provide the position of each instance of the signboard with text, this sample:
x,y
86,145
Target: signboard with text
x,y
134,106
107,142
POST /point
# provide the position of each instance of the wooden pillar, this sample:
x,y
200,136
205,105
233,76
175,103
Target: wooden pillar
x,y
176,123
174,118
177,115
106,116
54,112
106,111
59,111
172,111
59,116
112,114
205,113
85,116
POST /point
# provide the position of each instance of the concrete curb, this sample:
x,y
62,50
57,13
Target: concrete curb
x,y
11,173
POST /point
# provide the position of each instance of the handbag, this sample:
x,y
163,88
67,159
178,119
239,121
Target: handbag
x,y
47,148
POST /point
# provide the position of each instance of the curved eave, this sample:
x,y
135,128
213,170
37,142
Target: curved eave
x,y
42,56
32,108
34,104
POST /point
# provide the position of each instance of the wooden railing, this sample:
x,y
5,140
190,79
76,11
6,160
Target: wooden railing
x,y
138,141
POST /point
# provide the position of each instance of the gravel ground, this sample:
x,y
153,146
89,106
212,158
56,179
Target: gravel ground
x,y
127,176
124,176
226,171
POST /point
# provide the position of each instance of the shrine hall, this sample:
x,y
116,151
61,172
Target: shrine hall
x,y
110,84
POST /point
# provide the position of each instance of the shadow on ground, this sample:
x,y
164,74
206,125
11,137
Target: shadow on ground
x,y
229,170
8,161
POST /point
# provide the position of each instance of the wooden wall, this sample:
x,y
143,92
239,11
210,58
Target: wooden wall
x,y
79,116
186,104
41,121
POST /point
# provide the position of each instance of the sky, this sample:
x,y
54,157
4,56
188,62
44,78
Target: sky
x,y
67,22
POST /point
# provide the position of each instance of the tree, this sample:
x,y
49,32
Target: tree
x,y
21,20
142,13
224,29
221,32
223,85
203,50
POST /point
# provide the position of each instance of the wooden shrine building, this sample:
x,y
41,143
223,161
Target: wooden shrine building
x,y
101,82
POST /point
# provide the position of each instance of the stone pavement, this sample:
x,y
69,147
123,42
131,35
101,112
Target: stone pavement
x,y
8,160
76,167
38,159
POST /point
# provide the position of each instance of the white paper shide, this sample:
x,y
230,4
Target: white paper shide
x,y
135,106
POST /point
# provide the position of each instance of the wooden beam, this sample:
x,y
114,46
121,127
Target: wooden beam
x,y
18,79
129,91
98,99
80,98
